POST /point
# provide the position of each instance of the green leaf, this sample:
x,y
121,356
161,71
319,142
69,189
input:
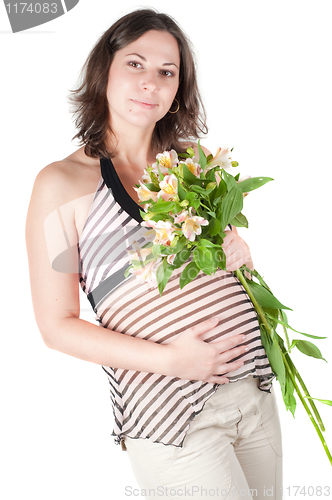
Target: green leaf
x,y
307,334
253,183
264,297
163,207
219,257
188,274
219,192
286,325
231,205
204,259
274,355
156,250
153,178
189,177
127,271
207,243
184,155
158,217
288,395
202,191
190,152
230,180
181,243
272,315
293,345
163,274
202,156
152,187
325,401
181,257
161,177
139,264
309,349
211,174
181,191
214,227
240,220
191,197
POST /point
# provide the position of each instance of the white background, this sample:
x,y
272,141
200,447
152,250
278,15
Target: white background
x,y
264,71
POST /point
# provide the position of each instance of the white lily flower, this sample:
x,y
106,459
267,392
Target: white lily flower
x,y
145,194
193,166
165,232
168,188
192,227
221,158
147,273
167,159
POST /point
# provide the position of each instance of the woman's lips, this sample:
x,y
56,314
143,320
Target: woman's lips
x,y
145,104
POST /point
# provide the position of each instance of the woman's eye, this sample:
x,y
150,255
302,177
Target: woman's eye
x,y
135,64
165,72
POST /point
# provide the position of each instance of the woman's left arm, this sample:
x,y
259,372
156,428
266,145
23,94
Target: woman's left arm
x,y
236,250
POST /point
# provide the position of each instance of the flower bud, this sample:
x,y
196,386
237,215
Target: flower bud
x,y
148,216
235,164
178,171
174,241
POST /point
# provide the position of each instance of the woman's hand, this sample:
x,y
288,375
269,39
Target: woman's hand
x,y
195,359
237,251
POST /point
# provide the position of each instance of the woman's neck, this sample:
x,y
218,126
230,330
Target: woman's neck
x,y
132,145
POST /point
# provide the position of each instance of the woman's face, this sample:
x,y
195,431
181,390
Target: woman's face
x,y
143,80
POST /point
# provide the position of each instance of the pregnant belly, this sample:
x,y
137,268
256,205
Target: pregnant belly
x,y
138,309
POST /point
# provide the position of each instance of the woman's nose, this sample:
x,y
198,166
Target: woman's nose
x,y
149,82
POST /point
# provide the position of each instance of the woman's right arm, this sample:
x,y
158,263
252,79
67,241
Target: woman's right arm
x,y
55,297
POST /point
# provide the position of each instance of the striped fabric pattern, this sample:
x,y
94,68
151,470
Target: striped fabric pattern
x,y
152,405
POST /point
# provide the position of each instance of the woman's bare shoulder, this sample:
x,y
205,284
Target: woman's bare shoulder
x,y
69,178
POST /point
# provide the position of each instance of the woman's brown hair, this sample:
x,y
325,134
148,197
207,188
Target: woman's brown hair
x,y
90,102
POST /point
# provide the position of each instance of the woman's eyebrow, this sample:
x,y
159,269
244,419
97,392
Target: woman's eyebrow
x,y
144,59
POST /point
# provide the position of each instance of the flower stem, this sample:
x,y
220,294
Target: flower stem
x,y
306,392
258,308
289,365
307,409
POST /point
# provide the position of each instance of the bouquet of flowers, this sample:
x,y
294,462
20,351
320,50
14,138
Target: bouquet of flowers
x,y
188,204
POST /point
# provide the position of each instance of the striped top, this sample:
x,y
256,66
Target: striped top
x,y
152,405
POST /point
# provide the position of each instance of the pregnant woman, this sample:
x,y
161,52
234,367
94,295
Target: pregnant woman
x,y
191,385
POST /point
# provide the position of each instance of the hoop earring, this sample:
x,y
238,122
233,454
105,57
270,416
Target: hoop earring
x,y
177,109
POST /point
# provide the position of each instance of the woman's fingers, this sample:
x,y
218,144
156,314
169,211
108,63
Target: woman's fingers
x,y
232,354
195,359
221,376
236,251
215,379
229,343
204,326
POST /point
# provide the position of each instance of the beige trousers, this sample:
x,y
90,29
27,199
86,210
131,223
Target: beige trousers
x,y
232,451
